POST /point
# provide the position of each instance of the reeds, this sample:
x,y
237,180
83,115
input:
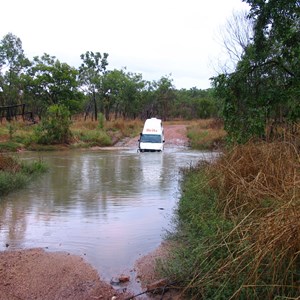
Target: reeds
x,y
240,219
257,176
258,191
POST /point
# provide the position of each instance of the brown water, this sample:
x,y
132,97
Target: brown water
x,y
109,206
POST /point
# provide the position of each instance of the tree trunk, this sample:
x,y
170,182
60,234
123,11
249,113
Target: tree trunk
x,y
95,106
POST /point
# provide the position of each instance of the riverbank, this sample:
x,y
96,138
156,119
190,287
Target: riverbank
x,y
238,225
36,274
205,134
25,271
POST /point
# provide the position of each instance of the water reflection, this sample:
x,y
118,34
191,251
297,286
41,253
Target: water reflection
x,y
111,206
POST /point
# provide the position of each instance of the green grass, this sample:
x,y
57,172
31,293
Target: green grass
x,y
15,174
93,137
10,146
198,231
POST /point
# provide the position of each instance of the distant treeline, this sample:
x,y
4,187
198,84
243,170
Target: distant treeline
x,y
92,88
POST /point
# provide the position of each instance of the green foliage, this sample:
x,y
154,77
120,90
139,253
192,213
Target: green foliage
x,y
121,94
13,63
34,168
10,182
55,127
206,134
49,82
165,94
206,108
195,104
264,88
90,72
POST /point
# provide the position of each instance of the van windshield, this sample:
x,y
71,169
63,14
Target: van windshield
x,y
151,138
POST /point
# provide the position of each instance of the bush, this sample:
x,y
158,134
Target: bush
x,y
55,127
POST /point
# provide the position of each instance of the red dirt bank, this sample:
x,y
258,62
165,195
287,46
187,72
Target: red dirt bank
x,y
36,274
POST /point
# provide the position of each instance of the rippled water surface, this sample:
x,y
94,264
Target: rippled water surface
x,y
111,206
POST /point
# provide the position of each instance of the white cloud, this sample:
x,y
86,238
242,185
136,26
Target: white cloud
x,y
155,38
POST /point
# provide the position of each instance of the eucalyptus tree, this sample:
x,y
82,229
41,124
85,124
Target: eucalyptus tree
x,y
236,34
131,95
91,70
51,82
165,93
263,91
149,106
277,53
121,93
13,63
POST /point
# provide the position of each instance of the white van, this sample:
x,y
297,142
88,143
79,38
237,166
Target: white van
x,y
152,137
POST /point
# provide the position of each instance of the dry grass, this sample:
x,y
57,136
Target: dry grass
x,y
9,164
206,134
253,175
259,191
239,225
126,127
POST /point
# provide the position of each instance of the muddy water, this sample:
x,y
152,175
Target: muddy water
x,y
110,206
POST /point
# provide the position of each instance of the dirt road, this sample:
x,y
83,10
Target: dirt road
x,y
175,136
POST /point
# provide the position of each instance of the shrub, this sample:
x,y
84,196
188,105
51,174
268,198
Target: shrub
x,y
55,127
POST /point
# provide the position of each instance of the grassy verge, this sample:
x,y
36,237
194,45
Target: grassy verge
x,y
15,174
19,135
206,134
238,226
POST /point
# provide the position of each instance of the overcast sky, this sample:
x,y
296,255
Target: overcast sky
x,y
152,37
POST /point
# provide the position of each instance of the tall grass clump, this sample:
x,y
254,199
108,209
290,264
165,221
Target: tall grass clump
x,y
93,137
15,174
238,226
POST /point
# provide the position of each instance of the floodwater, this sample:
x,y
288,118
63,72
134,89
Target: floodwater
x,y
109,206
